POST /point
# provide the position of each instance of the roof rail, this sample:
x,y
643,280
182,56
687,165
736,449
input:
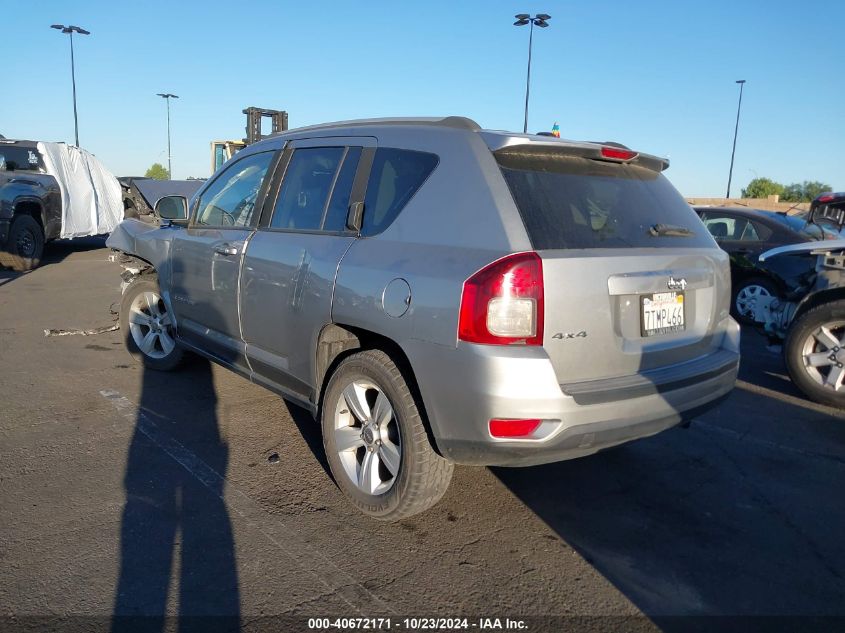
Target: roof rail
x,y
457,122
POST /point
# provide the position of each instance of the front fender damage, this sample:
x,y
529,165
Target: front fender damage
x,y
142,248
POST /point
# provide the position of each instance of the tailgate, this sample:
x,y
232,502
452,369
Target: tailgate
x,y
622,312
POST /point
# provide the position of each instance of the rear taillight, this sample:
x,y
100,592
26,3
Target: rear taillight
x,y
502,304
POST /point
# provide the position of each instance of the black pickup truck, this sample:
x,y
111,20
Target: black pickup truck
x,y
30,205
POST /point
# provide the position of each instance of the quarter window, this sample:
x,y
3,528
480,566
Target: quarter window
x,y
749,233
230,200
395,177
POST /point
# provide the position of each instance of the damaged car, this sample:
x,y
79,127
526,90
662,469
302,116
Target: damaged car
x,y
435,294
810,320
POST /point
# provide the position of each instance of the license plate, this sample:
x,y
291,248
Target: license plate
x,y
662,313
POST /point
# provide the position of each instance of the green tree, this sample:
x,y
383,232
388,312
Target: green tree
x,y
157,171
814,189
762,188
805,191
792,193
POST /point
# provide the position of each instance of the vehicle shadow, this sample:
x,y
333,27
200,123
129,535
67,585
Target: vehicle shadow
x,y
763,364
177,545
737,515
54,253
311,432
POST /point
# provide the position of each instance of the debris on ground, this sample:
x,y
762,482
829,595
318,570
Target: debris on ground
x,y
92,332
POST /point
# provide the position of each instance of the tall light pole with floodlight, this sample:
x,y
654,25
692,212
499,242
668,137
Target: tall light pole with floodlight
x,y
741,83
541,20
70,30
167,96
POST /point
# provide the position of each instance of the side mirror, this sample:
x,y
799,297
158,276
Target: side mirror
x,y
172,208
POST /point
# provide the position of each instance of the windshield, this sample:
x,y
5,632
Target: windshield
x,y
571,202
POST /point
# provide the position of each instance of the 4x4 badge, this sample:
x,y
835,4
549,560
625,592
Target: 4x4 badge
x,y
676,284
562,335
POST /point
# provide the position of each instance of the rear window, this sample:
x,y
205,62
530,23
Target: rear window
x,y
20,158
806,230
571,202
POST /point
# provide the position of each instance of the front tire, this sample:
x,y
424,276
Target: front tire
x,y
815,353
375,440
147,325
25,245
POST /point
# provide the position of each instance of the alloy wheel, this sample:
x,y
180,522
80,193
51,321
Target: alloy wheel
x,y
151,326
367,437
823,352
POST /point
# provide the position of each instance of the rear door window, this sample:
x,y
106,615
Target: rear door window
x,y
725,227
338,207
306,188
569,202
395,177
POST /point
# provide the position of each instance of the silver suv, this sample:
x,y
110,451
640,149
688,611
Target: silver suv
x,y
439,294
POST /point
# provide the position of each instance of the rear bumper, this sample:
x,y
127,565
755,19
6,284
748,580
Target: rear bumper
x,y
578,440
486,382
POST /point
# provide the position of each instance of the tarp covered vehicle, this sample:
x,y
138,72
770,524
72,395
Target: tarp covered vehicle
x,y
50,191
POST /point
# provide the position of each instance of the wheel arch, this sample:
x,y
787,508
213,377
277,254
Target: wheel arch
x,y
32,207
337,341
818,298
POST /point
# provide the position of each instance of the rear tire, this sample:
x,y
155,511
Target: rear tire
x,y
375,440
815,353
25,246
147,325
746,295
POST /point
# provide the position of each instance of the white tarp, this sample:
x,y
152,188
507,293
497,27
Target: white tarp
x,y
92,200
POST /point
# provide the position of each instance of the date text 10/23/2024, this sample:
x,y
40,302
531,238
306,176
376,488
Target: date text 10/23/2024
x,y
416,624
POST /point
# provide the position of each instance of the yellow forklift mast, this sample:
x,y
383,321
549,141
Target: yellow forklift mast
x,y
221,151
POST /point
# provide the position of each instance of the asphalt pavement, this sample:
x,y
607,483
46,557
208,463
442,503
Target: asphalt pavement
x,y
126,492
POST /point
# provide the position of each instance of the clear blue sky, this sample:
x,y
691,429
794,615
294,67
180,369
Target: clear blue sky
x,y
657,75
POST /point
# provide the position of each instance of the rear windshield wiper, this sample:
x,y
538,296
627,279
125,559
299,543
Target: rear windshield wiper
x,y
658,230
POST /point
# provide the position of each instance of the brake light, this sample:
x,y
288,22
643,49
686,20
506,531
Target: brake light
x,y
513,428
617,153
826,198
502,304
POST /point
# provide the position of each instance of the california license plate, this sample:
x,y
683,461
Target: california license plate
x,y
662,313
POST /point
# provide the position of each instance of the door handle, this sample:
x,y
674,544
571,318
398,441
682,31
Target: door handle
x,y
226,249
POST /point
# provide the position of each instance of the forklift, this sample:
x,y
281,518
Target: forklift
x,y
221,151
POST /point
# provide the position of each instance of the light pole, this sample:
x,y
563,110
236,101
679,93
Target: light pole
x,y
541,20
70,30
167,96
741,83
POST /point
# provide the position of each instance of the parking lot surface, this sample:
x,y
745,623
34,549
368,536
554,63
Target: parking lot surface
x,y
130,492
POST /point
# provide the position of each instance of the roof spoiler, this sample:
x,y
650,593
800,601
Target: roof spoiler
x,y
608,152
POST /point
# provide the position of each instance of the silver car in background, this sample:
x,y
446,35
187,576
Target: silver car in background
x,y
435,293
